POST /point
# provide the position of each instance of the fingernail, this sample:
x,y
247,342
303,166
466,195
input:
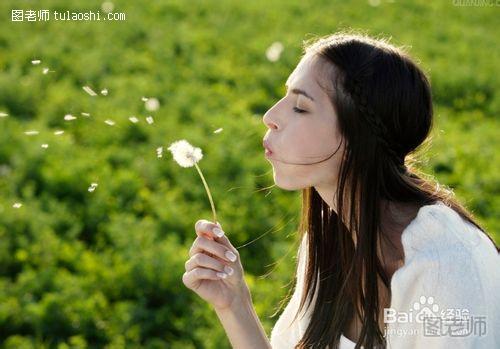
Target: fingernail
x,y
218,232
221,275
228,270
231,256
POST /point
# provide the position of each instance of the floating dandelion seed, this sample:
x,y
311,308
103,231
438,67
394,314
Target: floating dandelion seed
x,y
89,91
17,205
149,120
31,132
59,132
104,92
159,152
85,114
45,145
92,187
109,122
45,70
133,119
273,52
107,6
69,117
218,130
144,99
187,156
152,104
374,3
3,115
35,61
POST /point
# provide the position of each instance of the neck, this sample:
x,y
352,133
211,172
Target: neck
x,y
394,216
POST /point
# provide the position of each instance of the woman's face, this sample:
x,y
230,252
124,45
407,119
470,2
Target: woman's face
x,y
305,137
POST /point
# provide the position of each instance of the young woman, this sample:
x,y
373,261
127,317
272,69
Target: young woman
x,y
387,258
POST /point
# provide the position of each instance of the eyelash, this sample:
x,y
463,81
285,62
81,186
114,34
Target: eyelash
x,y
299,111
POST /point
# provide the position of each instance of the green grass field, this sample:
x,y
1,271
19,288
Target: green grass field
x,y
103,268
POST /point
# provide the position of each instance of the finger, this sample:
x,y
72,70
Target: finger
x,y
202,260
205,227
224,240
208,227
202,244
191,278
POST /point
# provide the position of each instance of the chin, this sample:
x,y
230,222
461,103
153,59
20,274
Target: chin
x,y
287,184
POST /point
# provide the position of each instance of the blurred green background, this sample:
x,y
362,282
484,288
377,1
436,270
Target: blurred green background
x,y
103,268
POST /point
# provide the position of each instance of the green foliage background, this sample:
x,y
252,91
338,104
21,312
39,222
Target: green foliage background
x,y
103,269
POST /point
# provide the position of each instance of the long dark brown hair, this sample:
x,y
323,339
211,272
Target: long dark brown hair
x,y
384,105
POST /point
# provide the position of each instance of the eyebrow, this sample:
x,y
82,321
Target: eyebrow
x,y
299,91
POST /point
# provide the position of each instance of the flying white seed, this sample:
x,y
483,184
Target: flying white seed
x,y
273,52
107,6
150,120
35,61
17,205
218,130
89,91
57,133
159,152
92,187
104,92
31,132
69,117
133,119
109,122
45,145
152,104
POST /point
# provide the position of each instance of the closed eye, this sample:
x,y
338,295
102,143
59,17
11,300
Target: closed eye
x,y
297,110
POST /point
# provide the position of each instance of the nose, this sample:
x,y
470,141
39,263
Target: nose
x,y
268,119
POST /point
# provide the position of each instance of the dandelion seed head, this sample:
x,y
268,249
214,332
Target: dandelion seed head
x,y
185,154
149,120
89,91
273,52
152,104
109,122
69,117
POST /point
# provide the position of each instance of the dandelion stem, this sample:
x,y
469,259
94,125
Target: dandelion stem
x,y
208,192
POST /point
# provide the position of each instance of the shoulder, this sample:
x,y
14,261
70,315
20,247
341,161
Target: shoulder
x,y
449,264
442,250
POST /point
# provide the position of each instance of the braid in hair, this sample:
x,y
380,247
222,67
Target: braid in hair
x,y
354,87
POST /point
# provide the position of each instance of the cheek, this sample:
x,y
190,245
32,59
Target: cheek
x,y
309,141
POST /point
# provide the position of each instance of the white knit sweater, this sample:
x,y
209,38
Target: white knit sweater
x,y
451,271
